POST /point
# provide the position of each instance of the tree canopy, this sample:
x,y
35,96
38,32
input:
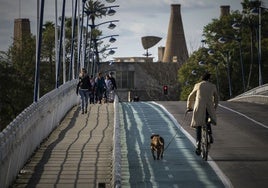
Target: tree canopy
x,y
229,51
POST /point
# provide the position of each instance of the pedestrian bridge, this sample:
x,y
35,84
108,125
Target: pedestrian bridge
x,y
24,135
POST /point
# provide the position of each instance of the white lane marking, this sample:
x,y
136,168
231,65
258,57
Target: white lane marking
x,y
225,180
254,121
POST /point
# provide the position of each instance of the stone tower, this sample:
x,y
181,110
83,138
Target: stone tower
x,y
21,30
225,10
175,49
161,51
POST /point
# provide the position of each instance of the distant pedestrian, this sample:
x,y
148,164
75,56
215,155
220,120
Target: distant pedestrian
x,y
109,88
113,81
83,88
92,93
114,87
99,87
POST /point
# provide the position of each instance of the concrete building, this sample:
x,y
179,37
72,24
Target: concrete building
x,y
133,59
145,80
140,76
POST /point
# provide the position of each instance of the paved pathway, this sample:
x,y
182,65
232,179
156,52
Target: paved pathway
x,y
180,166
77,154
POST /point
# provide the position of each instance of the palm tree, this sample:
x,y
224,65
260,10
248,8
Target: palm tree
x,y
94,9
251,22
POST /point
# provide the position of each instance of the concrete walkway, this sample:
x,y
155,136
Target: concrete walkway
x,y
77,154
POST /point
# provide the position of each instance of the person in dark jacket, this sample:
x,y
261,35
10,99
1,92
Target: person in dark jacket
x,y
113,81
100,87
83,88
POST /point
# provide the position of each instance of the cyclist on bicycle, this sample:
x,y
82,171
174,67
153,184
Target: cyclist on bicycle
x,y
204,96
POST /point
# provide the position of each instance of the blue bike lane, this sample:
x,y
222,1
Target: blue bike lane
x,y
180,166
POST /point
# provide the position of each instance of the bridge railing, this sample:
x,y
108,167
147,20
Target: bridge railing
x,y
260,90
23,135
116,166
257,95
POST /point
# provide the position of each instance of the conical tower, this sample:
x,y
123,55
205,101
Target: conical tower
x,y
22,30
175,49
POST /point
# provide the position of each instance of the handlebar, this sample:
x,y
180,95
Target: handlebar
x,y
188,110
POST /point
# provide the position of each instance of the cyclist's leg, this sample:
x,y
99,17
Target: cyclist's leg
x,y
198,140
211,140
209,128
198,134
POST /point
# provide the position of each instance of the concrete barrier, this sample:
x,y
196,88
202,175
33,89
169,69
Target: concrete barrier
x,y
116,170
259,99
25,133
260,90
257,95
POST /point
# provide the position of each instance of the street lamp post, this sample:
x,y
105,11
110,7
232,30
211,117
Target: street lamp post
x,y
258,12
60,45
95,45
259,46
38,52
228,72
217,76
111,51
193,73
71,65
96,9
241,64
211,53
223,40
80,34
227,54
259,49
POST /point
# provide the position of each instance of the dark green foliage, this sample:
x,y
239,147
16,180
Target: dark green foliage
x,y
222,27
16,80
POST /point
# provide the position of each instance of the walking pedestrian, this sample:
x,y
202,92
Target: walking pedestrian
x,y
109,87
83,88
92,93
113,81
99,87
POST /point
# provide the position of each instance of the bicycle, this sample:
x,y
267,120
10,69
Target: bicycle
x,y
205,139
205,143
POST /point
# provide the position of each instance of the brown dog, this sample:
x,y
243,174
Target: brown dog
x,y
157,144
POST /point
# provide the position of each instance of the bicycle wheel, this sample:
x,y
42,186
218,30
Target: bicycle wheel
x,y
204,143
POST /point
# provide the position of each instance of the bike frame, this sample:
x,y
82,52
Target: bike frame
x,y
205,144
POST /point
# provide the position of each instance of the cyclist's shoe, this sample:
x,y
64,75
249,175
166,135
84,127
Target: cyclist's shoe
x,y
198,150
211,140
213,122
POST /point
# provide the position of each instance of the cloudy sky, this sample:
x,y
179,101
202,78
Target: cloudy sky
x,y
138,18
